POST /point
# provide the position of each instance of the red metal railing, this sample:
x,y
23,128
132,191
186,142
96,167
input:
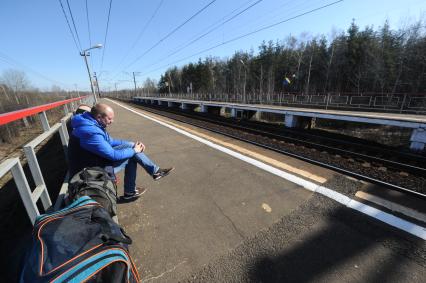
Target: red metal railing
x,y
19,114
30,196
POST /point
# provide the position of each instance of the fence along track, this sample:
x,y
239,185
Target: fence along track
x,y
390,103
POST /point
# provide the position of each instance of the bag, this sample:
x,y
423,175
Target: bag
x,y
96,183
79,243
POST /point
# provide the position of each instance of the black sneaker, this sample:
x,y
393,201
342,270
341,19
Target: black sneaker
x,y
162,173
137,193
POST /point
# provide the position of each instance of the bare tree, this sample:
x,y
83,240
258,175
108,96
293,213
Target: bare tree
x,y
149,86
15,80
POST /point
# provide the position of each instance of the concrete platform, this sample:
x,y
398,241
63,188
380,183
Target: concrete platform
x,y
219,219
206,207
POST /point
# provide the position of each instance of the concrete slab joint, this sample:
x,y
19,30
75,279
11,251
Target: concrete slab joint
x,y
418,139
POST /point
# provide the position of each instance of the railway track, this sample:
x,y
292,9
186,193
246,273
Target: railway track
x,y
392,169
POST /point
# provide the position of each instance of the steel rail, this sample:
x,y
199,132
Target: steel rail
x,y
407,167
405,155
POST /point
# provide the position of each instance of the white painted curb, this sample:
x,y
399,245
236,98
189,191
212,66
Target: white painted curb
x,y
385,217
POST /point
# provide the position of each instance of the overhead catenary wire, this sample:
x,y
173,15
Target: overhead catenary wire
x,y
179,49
211,28
276,13
247,34
206,33
69,26
9,60
73,23
170,33
141,32
200,36
106,35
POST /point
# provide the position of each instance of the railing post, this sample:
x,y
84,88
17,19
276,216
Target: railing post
x,y
37,176
44,121
24,191
25,120
63,133
66,111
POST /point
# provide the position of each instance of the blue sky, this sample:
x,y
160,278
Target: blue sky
x,y
35,37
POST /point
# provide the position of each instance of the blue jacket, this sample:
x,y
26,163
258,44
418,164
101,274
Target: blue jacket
x,y
90,145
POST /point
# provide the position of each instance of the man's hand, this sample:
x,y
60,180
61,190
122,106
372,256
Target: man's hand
x,y
139,147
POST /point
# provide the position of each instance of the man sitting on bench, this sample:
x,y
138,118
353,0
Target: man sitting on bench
x,y
90,145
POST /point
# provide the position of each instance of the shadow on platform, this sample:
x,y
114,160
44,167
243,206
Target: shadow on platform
x,y
333,252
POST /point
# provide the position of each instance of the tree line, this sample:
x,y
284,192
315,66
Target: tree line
x,y
357,60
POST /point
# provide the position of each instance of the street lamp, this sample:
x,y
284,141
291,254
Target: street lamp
x,y
84,53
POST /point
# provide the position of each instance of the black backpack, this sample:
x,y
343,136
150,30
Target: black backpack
x,y
97,183
79,243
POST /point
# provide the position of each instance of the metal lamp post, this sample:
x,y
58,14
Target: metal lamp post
x,y
84,53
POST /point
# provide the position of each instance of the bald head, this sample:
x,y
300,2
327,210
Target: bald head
x,y
103,113
83,108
